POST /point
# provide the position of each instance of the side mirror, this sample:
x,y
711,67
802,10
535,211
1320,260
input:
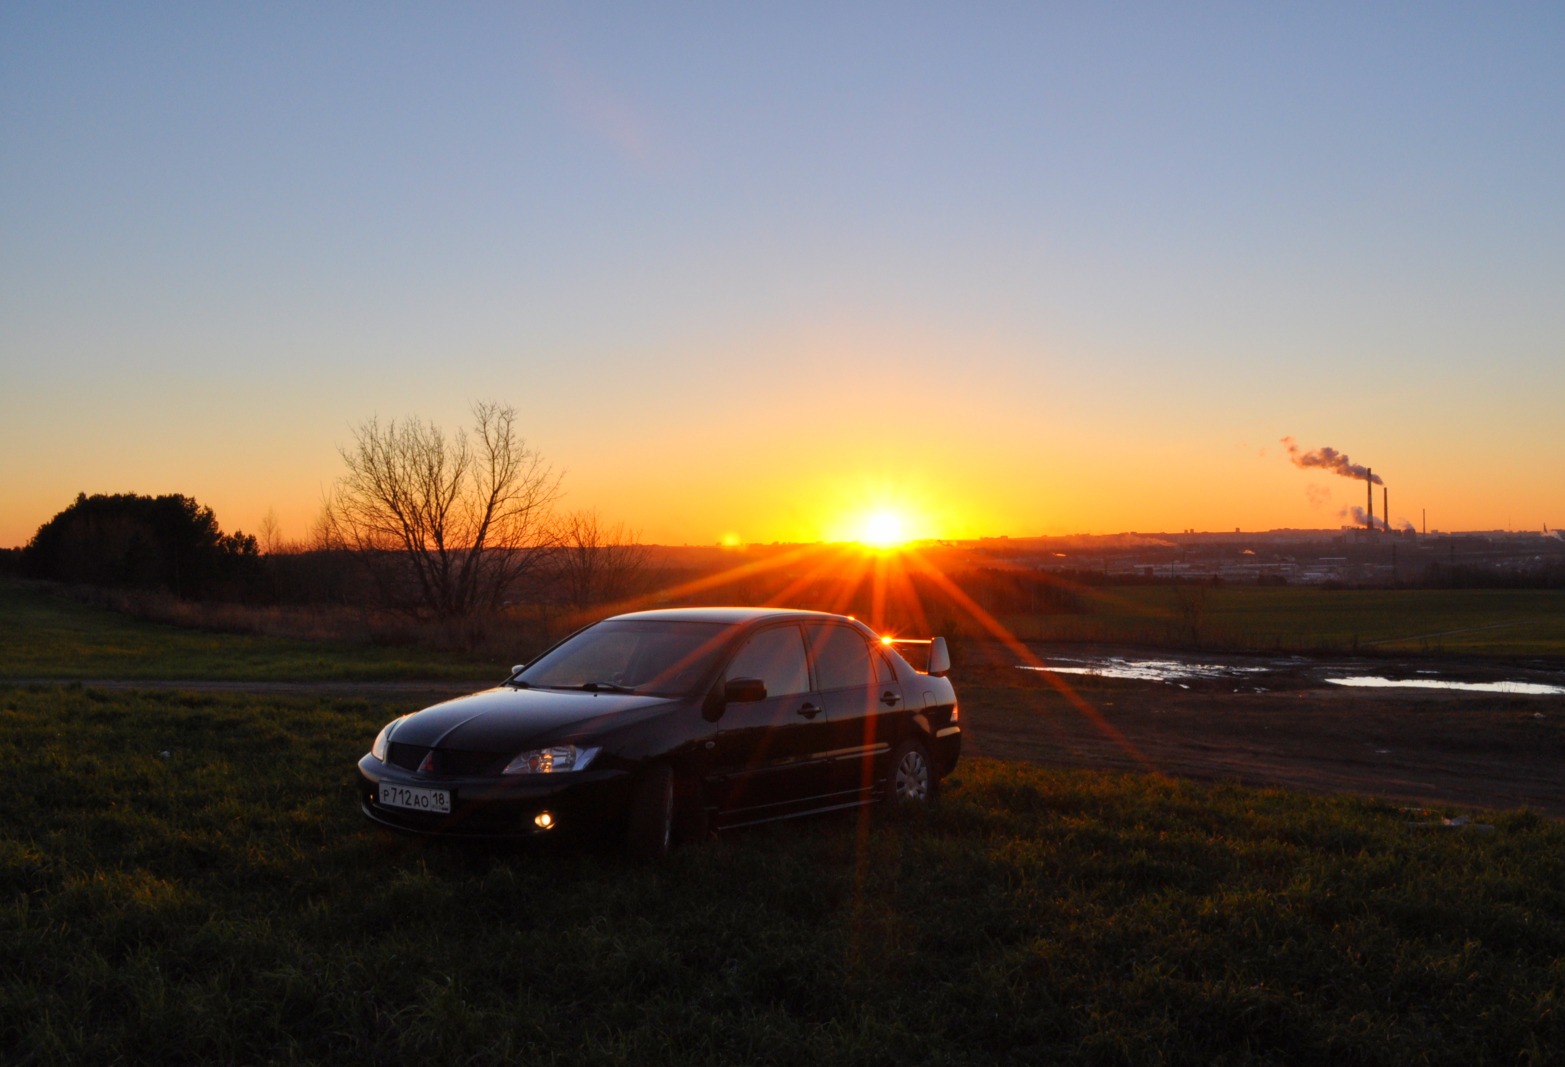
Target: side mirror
x,y
939,657
734,691
518,669
744,691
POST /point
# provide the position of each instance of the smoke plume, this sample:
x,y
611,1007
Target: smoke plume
x,y
1329,459
1361,518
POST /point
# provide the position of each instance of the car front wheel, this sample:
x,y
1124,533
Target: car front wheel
x,y
912,776
649,825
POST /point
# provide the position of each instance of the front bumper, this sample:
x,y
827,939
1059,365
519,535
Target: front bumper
x,y
499,807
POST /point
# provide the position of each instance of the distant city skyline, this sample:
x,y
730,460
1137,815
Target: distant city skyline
x,y
795,272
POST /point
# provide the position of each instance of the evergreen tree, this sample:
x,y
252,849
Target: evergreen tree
x,y
167,542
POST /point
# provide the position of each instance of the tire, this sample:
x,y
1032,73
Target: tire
x,y
649,822
911,779
692,824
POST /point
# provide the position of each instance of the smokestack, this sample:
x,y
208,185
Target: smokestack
x,y
1369,498
1385,507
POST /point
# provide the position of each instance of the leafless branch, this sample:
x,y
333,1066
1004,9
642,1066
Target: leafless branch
x,y
597,564
448,525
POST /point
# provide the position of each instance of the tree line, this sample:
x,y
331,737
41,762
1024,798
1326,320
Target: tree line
x,y
422,522
125,540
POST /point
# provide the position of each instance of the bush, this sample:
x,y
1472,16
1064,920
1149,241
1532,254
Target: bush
x,y
126,540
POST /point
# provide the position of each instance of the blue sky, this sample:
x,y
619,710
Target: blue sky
x,y
744,269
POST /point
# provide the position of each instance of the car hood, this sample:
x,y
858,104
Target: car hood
x,y
505,718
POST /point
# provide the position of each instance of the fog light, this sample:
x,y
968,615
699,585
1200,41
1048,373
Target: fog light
x,y
543,820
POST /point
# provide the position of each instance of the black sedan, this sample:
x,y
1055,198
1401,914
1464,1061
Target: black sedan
x,y
667,724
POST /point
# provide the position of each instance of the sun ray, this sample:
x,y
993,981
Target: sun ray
x,y
710,581
1015,646
908,598
827,565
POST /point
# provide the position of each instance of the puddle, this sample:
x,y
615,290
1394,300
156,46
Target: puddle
x,y
1510,688
1246,677
1154,670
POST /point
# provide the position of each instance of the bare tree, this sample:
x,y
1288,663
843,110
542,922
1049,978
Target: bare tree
x,y
270,534
447,525
597,563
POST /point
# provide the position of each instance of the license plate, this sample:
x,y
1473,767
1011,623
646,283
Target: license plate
x,y
416,798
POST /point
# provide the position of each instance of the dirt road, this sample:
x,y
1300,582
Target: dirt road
x,y
1426,747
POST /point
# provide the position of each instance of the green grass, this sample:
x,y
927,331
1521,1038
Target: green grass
x,y
48,636
185,878
1485,622
226,902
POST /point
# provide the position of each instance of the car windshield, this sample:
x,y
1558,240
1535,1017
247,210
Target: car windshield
x,y
661,657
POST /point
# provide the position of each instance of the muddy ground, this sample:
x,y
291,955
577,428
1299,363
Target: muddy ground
x,y
1286,727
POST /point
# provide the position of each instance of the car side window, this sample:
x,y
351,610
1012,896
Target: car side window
x,y
842,658
884,671
777,658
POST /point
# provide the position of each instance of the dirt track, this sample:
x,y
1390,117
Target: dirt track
x,y
1411,746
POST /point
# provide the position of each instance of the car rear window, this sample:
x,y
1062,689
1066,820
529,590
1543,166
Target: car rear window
x,y
842,658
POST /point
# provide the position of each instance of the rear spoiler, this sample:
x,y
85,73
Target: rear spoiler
x,y
939,657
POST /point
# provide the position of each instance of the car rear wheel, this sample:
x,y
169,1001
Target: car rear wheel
x,y
912,776
649,824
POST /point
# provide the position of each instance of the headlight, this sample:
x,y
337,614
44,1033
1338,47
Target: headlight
x,y
378,749
552,760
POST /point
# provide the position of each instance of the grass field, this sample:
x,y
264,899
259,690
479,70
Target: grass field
x,y
48,636
1485,622
186,879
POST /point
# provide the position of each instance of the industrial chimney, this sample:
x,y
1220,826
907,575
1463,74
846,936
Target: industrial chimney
x,y
1369,499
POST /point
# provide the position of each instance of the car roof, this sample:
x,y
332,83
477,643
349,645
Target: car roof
x,y
731,615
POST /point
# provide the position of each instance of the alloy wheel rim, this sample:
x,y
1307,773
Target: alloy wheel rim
x,y
912,777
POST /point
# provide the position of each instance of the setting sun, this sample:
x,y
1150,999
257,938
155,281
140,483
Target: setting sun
x,y
878,517
882,529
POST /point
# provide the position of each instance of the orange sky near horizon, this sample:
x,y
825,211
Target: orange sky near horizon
x,y
950,494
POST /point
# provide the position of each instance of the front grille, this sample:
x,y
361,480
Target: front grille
x,y
457,761
408,757
446,760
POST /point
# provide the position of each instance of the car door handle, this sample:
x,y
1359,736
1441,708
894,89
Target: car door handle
x,y
809,711
889,699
